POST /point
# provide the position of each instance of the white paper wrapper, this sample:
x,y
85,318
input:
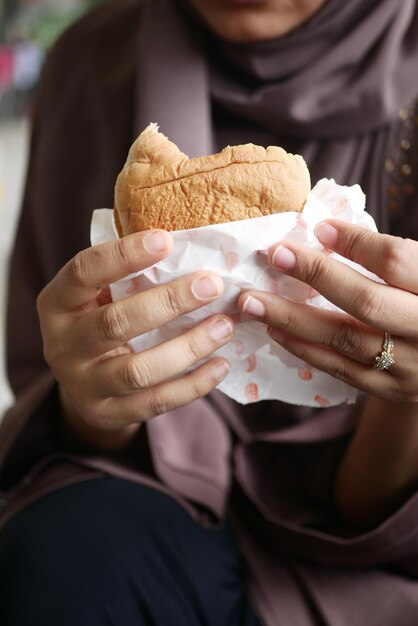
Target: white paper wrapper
x,y
260,368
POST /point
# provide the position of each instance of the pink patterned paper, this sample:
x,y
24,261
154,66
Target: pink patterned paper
x,y
260,368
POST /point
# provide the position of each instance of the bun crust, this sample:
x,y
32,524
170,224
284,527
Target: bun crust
x,y
160,187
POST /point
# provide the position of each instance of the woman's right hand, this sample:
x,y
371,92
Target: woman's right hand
x,y
106,390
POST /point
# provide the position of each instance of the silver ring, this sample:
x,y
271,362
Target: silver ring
x,y
386,357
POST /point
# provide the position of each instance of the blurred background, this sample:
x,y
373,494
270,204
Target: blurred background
x,y
28,28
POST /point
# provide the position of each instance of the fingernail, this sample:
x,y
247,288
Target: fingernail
x,y
205,287
276,334
221,329
262,253
155,242
283,258
326,234
255,307
221,370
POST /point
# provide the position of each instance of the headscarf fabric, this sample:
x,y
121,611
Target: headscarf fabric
x,y
330,90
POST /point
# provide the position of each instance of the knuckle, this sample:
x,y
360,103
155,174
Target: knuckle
x,y
193,350
113,323
370,305
199,387
355,243
289,321
395,257
314,271
79,269
340,371
156,404
122,252
173,302
345,338
136,375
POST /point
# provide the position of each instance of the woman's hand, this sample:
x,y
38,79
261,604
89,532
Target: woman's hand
x,y
379,469
103,386
346,345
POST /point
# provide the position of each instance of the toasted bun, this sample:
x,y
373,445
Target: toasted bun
x,y
160,187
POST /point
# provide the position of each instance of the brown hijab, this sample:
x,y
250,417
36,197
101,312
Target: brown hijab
x,y
330,90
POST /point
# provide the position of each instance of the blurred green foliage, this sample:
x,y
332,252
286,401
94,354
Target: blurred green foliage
x,y
43,24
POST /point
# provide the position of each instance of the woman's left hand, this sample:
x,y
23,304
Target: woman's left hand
x,y
345,345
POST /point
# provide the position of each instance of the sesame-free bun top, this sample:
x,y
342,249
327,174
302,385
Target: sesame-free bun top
x,y
160,187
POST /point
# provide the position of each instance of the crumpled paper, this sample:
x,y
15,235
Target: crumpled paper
x,y
260,368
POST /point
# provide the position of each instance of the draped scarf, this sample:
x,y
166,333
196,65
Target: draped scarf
x,y
330,90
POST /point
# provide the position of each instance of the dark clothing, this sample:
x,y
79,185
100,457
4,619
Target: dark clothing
x,y
282,457
108,551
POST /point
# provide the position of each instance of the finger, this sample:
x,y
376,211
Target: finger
x,y
357,375
332,330
132,373
375,304
392,258
110,326
338,331
83,277
117,412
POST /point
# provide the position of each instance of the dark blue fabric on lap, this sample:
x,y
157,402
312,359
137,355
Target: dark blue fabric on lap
x,y
110,552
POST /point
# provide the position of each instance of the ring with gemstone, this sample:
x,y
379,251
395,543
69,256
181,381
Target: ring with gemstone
x,y
386,357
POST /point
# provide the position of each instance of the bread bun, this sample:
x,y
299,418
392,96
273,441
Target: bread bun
x,y
160,187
